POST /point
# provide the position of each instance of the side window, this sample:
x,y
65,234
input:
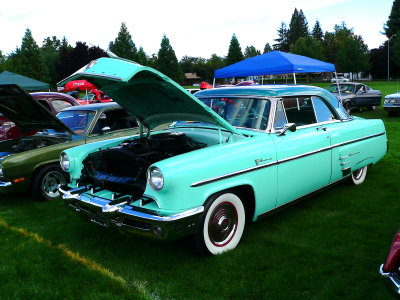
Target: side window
x,y
322,111
299,110
60,105
280,118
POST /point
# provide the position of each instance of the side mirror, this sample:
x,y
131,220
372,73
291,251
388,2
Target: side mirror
x,y
105,129
289,126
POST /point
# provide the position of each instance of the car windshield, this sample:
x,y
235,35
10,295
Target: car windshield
x,y
344,88
241,112
77,120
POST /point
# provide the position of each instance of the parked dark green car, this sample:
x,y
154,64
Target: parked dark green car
x,y
31,163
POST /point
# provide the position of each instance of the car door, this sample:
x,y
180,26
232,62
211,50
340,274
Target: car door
x,y
304,156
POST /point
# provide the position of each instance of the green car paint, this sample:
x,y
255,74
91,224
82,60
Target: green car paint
x,y
20,168
267,168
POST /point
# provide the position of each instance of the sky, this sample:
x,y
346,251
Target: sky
x,y
194,28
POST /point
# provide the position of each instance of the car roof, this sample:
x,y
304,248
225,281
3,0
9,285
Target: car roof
x,y
95,106
353,83
261,90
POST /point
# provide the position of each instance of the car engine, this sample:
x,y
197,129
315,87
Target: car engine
x,y
122,169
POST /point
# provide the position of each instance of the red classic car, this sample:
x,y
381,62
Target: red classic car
x,y
54,102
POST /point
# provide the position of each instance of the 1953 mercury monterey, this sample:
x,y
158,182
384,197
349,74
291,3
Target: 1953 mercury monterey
x,y
204,166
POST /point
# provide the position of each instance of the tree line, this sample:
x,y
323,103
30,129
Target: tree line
x,y
56,59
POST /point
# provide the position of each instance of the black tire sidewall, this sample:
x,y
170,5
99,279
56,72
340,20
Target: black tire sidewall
x,y
37,182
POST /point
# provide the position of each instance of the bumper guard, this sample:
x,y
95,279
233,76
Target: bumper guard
x,y
129,218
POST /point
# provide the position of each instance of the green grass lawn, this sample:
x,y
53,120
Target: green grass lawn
x,y
329,246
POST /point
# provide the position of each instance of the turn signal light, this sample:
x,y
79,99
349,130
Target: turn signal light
x,y
19,180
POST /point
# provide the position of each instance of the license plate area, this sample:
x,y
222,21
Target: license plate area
x,y
98,218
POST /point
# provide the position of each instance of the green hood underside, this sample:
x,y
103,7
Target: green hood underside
x,y
148,94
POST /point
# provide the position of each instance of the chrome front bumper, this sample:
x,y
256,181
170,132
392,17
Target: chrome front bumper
x,y
5,187
393,278
133,219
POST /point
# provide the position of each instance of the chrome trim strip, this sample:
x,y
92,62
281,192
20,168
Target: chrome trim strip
x,y
351,154
5,184
188,213
221,177
232,174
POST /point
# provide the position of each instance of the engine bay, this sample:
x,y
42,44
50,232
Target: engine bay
x,y
122,169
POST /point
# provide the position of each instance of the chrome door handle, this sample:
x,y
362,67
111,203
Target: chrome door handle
x,y
322,127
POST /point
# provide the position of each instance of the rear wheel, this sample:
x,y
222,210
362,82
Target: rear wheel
x,y
46,182
221,226
392,113
358,176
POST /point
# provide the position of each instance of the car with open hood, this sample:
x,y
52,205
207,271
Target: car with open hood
x,y
54,102
29,162
356,95
205,166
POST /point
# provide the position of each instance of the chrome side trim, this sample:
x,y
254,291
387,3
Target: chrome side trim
x,y
351,154
251,169
5,184
185,214
225,176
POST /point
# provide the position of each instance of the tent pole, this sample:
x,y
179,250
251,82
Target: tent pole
x,y
294,76
262,79
214,82
337,84
87,99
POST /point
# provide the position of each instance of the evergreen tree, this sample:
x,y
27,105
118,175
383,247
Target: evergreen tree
x,y
123,46
392,26
317,32
309,47
31,59
234,52
251,51
167,62
267,48
142,57
298,27
51,55
282,42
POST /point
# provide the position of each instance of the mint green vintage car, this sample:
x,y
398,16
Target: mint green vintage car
x,y
204,166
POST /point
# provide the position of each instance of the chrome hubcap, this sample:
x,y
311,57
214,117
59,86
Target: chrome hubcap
x,y
51,182
222,224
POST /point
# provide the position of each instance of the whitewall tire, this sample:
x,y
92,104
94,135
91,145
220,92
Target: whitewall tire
x,y
358,176
221,226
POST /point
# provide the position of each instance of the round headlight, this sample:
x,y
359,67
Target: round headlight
x,y
64,162
155,178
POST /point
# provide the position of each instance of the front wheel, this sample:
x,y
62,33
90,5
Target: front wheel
x,y
46,182
358,176
221,226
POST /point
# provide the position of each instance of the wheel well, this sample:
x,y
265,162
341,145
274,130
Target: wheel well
x,y
246,194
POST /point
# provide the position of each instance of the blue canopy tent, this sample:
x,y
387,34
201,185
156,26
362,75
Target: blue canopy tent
x,y
274,62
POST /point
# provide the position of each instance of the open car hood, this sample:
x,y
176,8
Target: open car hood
x,y
152,97
27,113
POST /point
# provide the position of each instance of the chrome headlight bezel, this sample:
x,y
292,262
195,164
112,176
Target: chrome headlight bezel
x,y
65,162
155,178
